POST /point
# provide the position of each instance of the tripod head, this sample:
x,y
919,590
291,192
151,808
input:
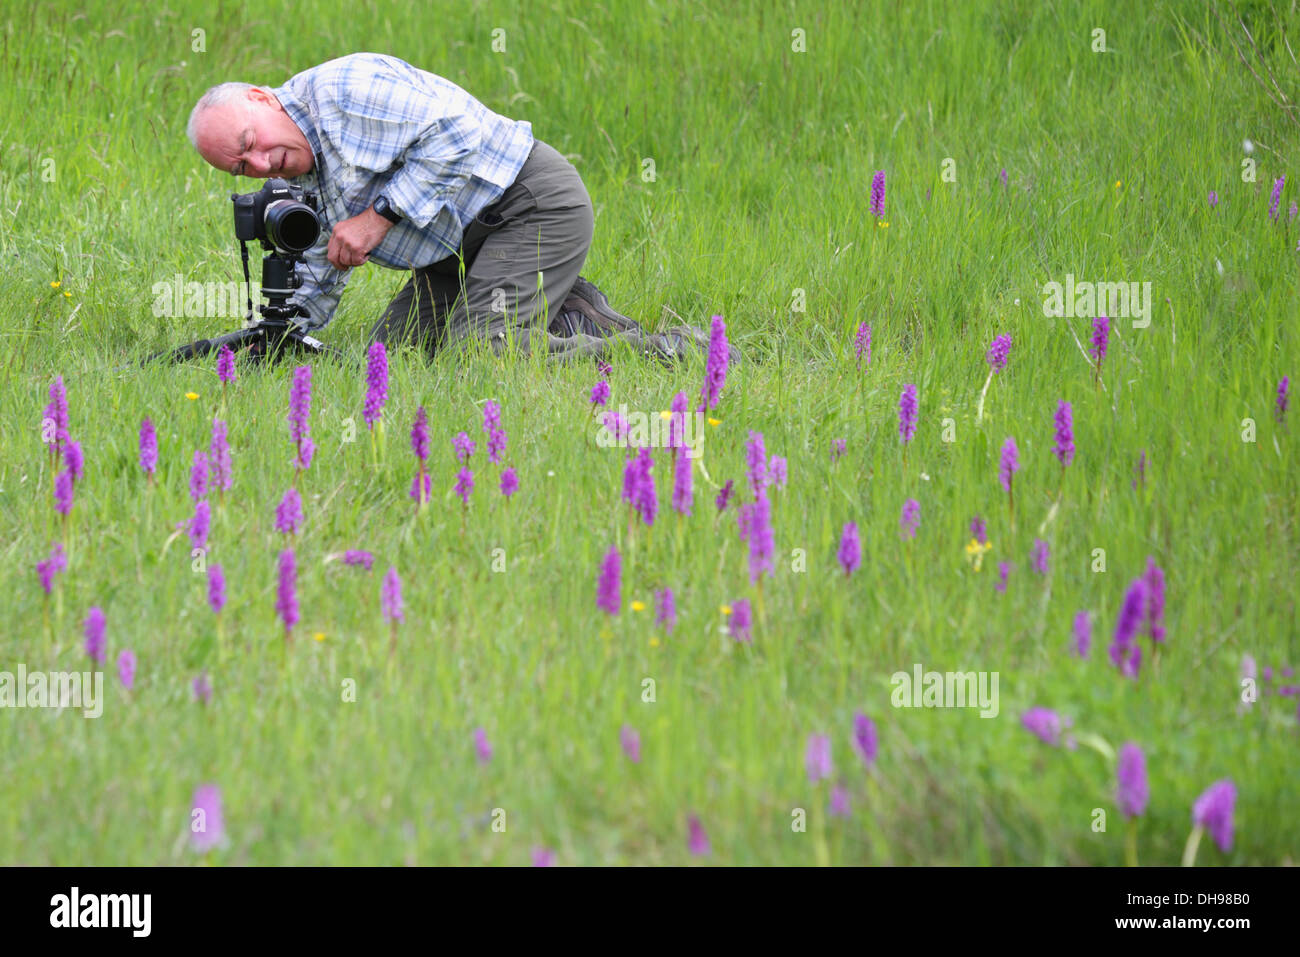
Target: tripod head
x,y
280,280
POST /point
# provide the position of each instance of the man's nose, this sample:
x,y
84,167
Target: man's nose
x,y
261,163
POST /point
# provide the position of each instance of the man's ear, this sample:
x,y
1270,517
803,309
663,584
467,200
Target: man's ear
x,y
265,99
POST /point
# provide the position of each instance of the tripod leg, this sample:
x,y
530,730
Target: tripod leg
x,y
194,350
313,345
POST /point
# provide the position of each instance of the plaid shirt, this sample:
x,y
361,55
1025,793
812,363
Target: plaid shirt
x,y
377,125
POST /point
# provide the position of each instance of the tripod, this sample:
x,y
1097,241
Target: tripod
x,y
269,338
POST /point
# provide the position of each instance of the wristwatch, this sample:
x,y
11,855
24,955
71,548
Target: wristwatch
x,y
385,209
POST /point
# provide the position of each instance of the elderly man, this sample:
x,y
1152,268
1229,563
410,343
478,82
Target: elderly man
x,y
414,173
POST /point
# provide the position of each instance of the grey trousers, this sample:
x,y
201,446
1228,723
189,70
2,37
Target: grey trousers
x,y
517,262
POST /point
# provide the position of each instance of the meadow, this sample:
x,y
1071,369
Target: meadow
x,y
516,720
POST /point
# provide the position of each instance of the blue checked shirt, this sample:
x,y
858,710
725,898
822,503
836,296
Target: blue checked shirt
x,y
379,125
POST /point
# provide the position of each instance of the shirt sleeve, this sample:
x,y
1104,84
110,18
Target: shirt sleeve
x,y
387,119
321,289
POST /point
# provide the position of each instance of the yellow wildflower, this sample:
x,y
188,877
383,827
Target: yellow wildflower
x,y
191,396
654,641
66,294
55,284
638,606
975,552
319,636
725,609
715,422
1117,182
665,416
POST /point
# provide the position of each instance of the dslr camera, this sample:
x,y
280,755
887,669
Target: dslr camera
x,y
279,216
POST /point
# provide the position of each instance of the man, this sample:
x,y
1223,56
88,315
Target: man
x,y
414,173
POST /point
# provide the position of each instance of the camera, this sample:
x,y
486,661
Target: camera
x,y
279,216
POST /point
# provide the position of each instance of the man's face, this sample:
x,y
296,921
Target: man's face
x,y
253,137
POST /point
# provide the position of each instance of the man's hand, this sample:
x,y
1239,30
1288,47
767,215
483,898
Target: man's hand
x,y
352,239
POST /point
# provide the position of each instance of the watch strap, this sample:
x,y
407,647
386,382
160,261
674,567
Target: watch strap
x,y
385,209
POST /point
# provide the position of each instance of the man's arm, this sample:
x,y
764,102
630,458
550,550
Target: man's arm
x,y
387,117
325,273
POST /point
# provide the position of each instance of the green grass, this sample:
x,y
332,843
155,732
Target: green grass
x,y
763,159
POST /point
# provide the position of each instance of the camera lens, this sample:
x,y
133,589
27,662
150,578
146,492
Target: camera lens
x,y
291,226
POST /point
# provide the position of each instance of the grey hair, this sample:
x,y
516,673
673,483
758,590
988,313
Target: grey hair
x,y
218,95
